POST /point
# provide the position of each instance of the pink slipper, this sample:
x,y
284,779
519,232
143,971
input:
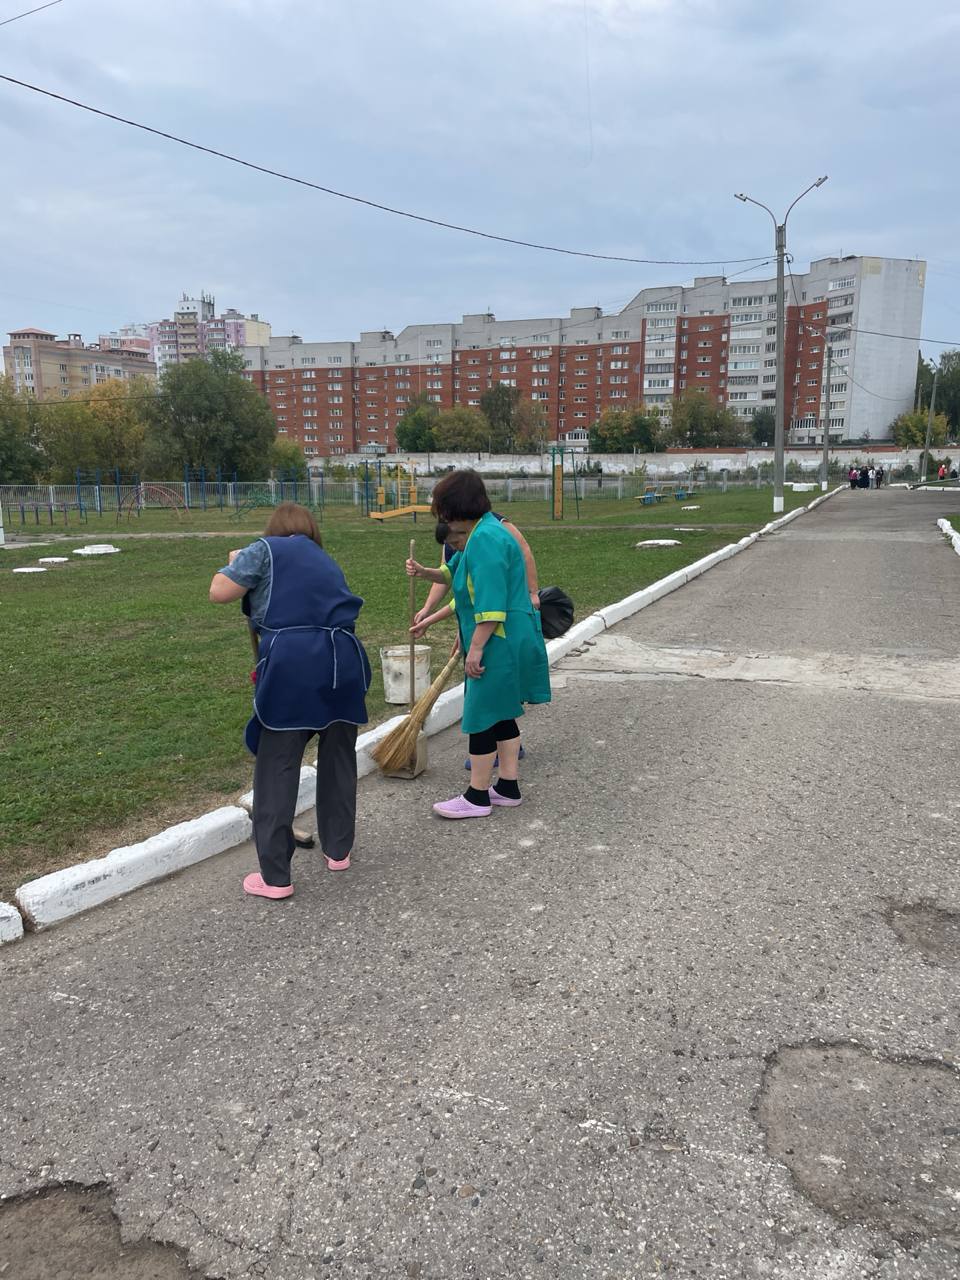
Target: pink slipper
x,y
460,807
505,801
339,864
254,884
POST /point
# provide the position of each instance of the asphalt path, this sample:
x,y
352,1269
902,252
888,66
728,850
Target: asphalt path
x,y
690,1011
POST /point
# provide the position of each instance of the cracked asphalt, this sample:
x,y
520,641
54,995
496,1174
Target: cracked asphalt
x,y
690,1011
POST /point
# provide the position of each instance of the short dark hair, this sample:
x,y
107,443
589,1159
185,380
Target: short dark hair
x,y
461,495
441,532
290,518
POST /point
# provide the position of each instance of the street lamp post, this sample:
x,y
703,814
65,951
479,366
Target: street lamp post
x,y
781,250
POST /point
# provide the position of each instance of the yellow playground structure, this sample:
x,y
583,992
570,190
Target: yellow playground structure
x,y
403,482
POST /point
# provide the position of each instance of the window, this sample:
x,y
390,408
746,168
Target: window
x,y
309,413
619,364
750,300
507,382
308,359
747,317
743,380
435,384
434,342
835,304
744,364
847,282
539,354
771,330
745,348
581,359
770,346
618,378
334,399
662,323
508,368
704,344
334,359
618,395
311,373
704,359
659,306
540,382
508,355
620,333
541,368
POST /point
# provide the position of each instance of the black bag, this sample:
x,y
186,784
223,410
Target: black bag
x,y
556,612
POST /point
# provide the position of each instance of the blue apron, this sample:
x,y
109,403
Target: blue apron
x,y
312,669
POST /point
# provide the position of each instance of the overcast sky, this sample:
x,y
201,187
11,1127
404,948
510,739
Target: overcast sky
x,y
618,126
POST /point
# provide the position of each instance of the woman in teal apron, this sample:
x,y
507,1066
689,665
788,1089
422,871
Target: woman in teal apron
x,y
505,659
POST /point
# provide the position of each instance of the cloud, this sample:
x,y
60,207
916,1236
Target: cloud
x,y
622,126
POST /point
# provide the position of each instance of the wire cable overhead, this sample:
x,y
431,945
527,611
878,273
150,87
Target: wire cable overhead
x,y
372,204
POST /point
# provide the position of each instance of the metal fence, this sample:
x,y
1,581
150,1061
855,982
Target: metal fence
x,y
55,503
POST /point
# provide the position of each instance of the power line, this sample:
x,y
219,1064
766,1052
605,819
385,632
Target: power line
x,y
39,9
372,204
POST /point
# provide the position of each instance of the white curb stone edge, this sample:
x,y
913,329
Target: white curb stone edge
x,y
62,894
947,529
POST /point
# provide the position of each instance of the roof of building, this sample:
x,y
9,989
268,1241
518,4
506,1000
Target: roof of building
x,y
33,332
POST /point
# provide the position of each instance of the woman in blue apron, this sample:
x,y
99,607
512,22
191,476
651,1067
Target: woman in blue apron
x,y
312,678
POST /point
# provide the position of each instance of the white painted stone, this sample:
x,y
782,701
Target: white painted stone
x,y
659,542
53,560
11,923
96,549
66,893
29,569
697,508
447,710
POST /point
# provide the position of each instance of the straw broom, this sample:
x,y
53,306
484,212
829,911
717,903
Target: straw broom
x,y
398,749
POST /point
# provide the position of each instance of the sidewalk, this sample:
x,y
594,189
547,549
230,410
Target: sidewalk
x,y
691,1011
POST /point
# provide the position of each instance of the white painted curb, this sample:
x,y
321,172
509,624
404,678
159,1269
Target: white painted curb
x,y
949,531
66,893
11,923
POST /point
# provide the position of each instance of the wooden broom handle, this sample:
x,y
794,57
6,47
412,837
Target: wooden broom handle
x,y
413,642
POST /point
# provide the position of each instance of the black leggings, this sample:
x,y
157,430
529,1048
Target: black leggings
x,y
485,743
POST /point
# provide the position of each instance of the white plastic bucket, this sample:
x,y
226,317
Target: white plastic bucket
x,y
396,671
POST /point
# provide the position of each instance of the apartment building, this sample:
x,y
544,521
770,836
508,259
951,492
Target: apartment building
x,y
718,335
195,330
53,368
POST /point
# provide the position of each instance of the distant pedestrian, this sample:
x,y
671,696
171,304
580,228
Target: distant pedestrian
x,y
880,475
942,472
872,477
864,478
853,476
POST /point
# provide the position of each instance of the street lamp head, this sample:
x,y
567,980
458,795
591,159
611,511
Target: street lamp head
x,y
738,195
820,181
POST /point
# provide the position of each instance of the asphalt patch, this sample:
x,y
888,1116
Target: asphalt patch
x,y
868,1139
68,1231
933,932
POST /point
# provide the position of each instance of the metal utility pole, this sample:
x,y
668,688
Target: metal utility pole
x,y
781,250
824,466
926,447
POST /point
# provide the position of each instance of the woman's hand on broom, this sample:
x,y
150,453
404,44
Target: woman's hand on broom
x,y
415,570
456,647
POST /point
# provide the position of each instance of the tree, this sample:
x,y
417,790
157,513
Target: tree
x,y
20,459
623,430
700,423
287,457
102,429
207,415
499,406
924,382
461,430
764,426
416,429
910,429
948,389
531,430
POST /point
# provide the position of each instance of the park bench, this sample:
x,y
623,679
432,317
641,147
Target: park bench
x,y
650,495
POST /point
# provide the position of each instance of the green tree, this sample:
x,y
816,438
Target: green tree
x,y
924,381
764,426
531,430
700,423
910,429
462,430
20,457
288,458
102,429
416,429
623,430
948,389
207,415
499,406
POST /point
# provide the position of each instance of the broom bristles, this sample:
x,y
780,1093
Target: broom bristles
x,y
398,748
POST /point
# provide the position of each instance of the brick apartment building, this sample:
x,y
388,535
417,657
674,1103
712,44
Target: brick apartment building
x,y
716,334
53,368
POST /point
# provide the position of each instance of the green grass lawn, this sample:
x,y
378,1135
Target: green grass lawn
x,y
126,692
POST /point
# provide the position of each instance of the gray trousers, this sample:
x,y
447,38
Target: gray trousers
x,y
276,781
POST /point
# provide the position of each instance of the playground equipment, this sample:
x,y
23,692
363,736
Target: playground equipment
x,y
153,495
557,453
259,498
404,495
